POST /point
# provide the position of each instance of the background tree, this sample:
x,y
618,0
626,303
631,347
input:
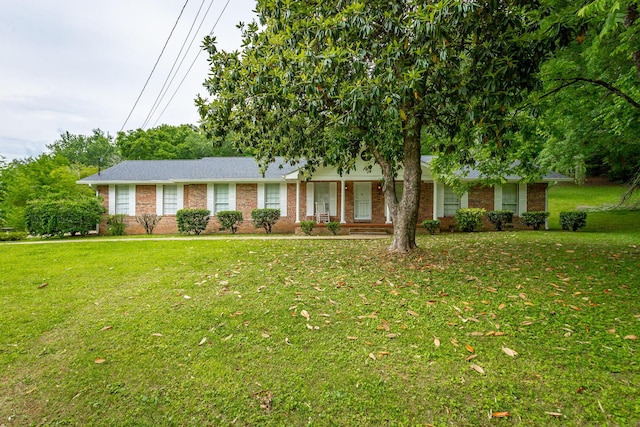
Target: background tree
x,y
591,97
169,142
333,81
97,149
46,178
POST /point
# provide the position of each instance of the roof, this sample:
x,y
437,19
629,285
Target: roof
x,y
226,169
208,169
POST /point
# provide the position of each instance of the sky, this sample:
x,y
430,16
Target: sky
x,y
78,65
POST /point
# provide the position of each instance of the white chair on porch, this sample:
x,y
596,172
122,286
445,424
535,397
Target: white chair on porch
x,y
322,212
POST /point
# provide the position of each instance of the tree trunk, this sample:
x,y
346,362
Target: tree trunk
x,y
404,213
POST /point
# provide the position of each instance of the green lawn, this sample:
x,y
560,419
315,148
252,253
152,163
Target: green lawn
x,y
323,332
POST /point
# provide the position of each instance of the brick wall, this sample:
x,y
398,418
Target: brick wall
x,y
536,196
195,196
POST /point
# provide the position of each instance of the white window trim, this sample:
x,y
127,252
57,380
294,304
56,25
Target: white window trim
x,y
132,200
112,200
522,198
159,199
283,199
261,195
497,197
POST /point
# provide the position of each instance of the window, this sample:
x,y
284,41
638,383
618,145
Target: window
x,y
510,198
122,199
272,196
221,198
322,193
170,199
451,201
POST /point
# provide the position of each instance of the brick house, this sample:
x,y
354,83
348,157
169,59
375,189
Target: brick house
x,y
356,199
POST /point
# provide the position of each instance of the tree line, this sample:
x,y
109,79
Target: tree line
x,y
52,175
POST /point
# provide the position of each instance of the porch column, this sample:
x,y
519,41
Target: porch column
x,y
435,200
298,201
342,201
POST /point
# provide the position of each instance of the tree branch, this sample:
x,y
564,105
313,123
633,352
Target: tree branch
x,y
611,88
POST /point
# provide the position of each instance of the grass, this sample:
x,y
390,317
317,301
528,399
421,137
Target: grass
x,y
323,332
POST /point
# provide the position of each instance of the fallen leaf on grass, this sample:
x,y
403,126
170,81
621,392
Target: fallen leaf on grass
x,y
383,353
501,306
372,356
265,335
477,334
501,414
469,348
384,325
509,352
99,360
553,414
392,335
436,342
454,342
412,313
156,334
499,334
471,357
106,328
287,341
202,341
44,285
477,368
351,337
631,337
305,314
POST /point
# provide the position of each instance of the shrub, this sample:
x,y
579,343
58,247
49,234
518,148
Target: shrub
x,y
573,220
148,221
58,217
500,218
534,218
432,225
307,227
333,227
265,218
192,220
116,225
469,219
13,236
230,220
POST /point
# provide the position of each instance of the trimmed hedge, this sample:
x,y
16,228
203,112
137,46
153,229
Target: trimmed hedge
x,y
230,220
333,227
192,220
58,217
116,225
432,225
265,218
307,226
500,218
534,219
469,219
573,220
13,236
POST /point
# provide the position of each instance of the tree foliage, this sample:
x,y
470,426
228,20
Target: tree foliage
x,y
591,98
334,81
96,149
168,142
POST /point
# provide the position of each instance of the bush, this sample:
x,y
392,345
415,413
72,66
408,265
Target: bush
x,y
230,220
573,220
58,217
432,225
307,226
192,220
265,218
469,219
148,221
333,227
534,219
13,236
500,218
116,225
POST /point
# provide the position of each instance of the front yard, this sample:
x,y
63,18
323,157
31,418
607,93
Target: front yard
x,y
531,328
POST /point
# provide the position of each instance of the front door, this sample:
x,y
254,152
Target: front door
x,y
362,201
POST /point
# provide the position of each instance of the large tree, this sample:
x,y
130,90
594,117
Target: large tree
x,y
332,81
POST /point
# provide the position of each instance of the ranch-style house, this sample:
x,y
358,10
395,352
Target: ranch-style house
x,y
356,199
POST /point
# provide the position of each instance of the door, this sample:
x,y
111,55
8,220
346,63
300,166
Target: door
x,y
362,201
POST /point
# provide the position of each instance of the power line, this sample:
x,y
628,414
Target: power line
x,y
167,83
154,67
192,63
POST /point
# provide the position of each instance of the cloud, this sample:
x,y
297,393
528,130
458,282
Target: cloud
x,y
79,65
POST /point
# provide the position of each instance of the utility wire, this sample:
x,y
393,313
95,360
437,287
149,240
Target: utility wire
x,y
154,67
192,64
167,83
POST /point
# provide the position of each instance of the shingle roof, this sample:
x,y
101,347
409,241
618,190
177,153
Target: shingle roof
x,y
207,169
